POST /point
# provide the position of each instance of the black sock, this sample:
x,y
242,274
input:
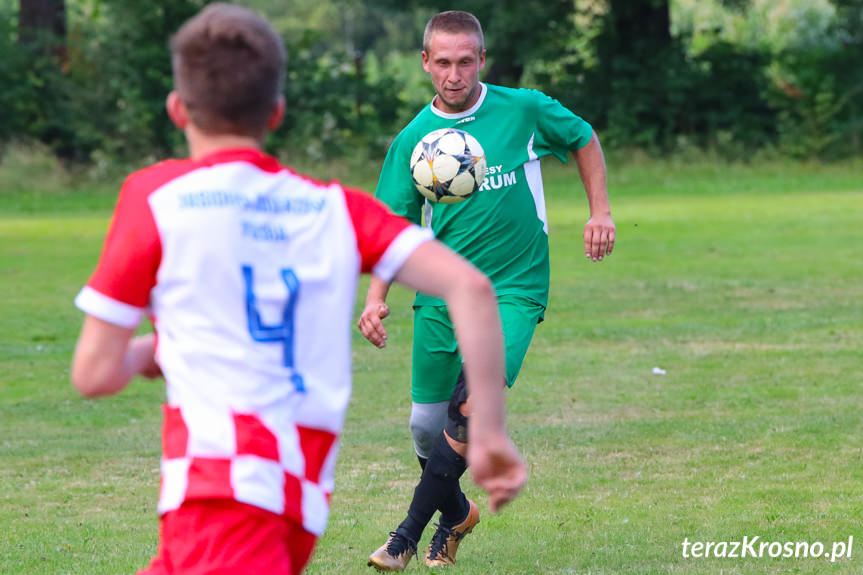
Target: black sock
x,y
438,488
455,509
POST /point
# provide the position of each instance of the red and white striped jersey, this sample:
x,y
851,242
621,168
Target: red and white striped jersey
x,y
250,273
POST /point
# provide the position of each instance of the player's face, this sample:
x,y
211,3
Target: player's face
x,y
454,62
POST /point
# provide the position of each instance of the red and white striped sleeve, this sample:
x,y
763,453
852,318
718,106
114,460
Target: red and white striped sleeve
x,y
384,240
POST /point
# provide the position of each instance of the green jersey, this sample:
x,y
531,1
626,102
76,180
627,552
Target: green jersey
x,y
502,229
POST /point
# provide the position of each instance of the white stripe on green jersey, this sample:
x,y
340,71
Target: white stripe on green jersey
x,y
502,228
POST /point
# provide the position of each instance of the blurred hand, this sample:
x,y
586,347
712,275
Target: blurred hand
x,y
496,467
142,354
598,237
371,324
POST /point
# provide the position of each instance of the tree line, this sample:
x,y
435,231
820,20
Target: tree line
x,y
88,78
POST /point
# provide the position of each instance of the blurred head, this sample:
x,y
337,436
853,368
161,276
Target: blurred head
x,y
229,67
454,54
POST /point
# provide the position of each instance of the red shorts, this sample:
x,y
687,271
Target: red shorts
x,y
224,537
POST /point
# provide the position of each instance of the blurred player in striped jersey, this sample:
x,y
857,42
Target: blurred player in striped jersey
x,y
249,272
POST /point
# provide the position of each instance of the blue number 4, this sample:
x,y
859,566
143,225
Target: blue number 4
x,y
283,332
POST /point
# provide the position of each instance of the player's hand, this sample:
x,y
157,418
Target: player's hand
x,y
152,371
371,324
598,237
142,355
496,466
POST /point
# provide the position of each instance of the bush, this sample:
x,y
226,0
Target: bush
x,y
104,104
818,90
335,107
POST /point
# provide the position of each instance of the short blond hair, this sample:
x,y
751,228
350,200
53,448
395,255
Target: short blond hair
x,y
453,22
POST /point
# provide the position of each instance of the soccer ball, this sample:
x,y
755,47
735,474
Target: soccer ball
x,y
448,165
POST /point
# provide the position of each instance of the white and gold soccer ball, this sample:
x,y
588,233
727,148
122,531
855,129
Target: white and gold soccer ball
x,y
448,165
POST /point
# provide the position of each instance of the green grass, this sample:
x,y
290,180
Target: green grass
x,y
742,282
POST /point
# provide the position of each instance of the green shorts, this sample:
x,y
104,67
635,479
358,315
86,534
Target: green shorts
x,y
436,360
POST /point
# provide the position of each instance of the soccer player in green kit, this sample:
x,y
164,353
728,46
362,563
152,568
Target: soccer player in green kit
x,y
503,230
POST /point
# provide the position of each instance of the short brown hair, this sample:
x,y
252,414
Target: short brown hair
x,y
229,69
453,22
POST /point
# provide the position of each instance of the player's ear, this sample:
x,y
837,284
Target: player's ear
x,y
426,61
482,60
177,110
277,115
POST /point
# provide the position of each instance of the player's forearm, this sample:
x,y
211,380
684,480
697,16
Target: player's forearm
x,y
378,290
94,375
472,304
476,320
106,357
591,166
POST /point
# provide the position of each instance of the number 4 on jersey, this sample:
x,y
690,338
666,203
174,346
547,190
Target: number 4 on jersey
x,y
283,332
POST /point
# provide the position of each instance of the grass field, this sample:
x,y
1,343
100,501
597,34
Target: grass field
x,y
744,283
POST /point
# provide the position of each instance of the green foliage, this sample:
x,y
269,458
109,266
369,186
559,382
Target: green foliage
x,y
137,77
106,102
728,100
107,97
13,90
736,77
808,107
335,107
728,75
818,90
32,100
